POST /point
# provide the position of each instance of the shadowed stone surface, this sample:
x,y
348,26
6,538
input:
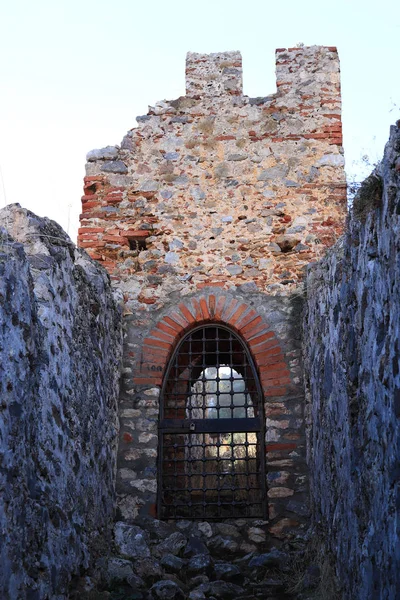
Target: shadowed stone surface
x,y
60,347
353,375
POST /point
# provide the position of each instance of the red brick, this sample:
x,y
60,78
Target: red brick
x,y
265,346
89,244
166,329
249,328
177,318
266,362
137,233
166,337
274,391
87,236
229,307
220,307
202,285
86,206
261,328
109,264
94,255
90,230
261,337
278,447
186,314
269,373
238,313
250,316
146,299
275,381
211,304
204,309
93,178
113,238
292,436
150,355
172,324
315,136
114,231
273,351
154,343
197,310
151,368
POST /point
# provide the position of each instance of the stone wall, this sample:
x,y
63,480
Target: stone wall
x,y
209,213
216,188
351,334
271,329
60,348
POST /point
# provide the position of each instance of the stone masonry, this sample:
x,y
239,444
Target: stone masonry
x,y
60,349
216,188
352,366
209,212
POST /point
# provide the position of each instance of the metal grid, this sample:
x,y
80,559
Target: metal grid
x,y
211,454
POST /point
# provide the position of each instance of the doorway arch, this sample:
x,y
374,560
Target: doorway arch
x,y
211,430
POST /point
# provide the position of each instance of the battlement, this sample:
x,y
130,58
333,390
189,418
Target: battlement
x,y
304,70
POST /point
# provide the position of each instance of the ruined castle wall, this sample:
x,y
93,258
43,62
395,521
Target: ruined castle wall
x,y
216,188
209,212
60,346
351,335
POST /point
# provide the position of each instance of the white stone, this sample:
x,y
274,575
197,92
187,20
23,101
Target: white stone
x,y
145,485
145,438
331,160
280,492
205,529
152,392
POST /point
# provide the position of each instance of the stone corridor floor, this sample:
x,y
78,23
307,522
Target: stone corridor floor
x,y
160,561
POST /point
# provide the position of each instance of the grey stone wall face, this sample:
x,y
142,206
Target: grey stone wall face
x,y
352,369
60,347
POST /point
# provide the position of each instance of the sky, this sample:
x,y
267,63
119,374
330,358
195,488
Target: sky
x,y
74,74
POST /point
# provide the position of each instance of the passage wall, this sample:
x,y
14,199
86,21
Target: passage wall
x,y
352,369
60,348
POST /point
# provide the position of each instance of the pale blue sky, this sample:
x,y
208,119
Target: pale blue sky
x,y
75,74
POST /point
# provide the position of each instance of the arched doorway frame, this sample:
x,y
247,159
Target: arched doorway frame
x,y
241,492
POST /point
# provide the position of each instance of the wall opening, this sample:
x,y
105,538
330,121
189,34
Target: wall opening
x,y
211,438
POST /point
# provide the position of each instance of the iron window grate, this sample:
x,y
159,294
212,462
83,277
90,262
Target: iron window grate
x,y
211,435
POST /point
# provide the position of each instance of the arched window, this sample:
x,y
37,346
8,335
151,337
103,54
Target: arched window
x,y
211,442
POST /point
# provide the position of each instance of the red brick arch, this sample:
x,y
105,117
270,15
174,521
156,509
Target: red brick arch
x,y
262,342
